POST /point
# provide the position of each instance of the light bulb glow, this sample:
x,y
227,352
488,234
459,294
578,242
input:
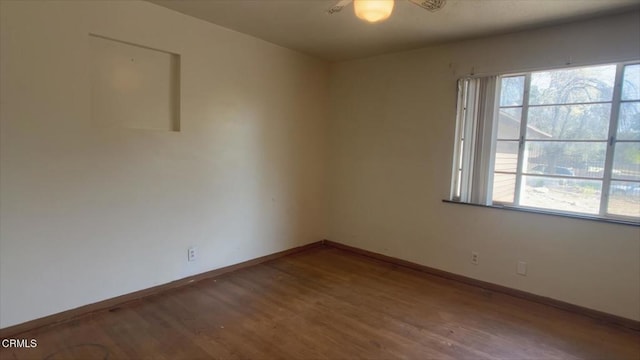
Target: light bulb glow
x,y
373,10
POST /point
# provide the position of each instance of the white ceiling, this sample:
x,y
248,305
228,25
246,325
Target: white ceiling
x,y
304,25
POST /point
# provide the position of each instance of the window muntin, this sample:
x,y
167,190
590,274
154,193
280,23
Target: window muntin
x,y
563,140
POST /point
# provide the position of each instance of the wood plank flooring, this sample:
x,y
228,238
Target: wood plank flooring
x,y
326,303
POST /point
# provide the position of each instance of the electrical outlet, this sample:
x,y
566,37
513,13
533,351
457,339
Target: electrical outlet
x,y
191,254
475,258
522,268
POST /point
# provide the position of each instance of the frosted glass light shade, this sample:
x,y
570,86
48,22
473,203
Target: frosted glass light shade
x,y
373,10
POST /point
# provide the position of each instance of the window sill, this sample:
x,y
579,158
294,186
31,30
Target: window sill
x,y
550,213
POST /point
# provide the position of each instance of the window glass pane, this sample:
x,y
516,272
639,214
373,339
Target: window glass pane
x,y
629,121
626,161
579,85
624,198
581,196
631,82
506,157
512,89
504,186
568,159
564,122
509,123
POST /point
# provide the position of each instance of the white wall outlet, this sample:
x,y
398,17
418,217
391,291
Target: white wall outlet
x,y
522,268
191,254
475,258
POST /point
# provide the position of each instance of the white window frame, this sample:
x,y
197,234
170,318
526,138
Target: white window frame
x,y
478,105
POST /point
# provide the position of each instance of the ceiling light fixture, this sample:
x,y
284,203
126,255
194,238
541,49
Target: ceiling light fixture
x,y
378,10
373,10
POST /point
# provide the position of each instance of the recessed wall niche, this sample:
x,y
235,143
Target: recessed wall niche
x,y
134,86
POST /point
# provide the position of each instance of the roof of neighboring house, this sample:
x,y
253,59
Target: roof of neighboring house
x,y
513,122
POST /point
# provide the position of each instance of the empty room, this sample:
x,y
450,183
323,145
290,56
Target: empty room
x,y
320,179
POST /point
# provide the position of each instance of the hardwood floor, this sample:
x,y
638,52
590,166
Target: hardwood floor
x,y
326,303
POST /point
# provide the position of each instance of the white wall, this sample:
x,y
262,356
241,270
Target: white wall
x,y
89,213
391,139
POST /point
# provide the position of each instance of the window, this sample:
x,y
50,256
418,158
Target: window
x,y
563,140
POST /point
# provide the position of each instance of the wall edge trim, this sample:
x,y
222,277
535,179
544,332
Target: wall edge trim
x,y
112,303
594,314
